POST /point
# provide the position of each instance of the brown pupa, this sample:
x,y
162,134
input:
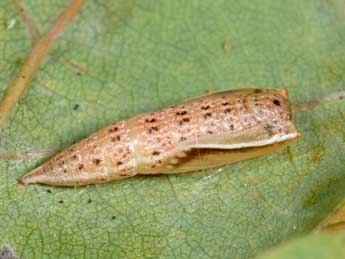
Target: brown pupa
x,y
200,133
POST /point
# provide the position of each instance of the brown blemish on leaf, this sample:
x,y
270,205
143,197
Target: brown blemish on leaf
x,y
227,45
75,66
289,153
317,154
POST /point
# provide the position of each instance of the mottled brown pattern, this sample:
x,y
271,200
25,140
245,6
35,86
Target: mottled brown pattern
x,y
217,118
160,140
103,156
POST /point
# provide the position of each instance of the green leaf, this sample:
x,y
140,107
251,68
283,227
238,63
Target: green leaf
x,y
324,246
123,57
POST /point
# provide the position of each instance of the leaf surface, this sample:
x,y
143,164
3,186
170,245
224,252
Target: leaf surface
x,y
120,58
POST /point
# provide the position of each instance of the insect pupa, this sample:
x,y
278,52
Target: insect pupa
x,y
200,133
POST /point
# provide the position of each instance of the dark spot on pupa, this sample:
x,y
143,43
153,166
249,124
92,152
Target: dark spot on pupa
x,y
81,167
60,201
209,132
74,156
150,130
227,111
159,161
119,163
186,119
155,153
97,161
113,129
257,91
226,103
65,171
276,102
183,138
205,107
150,120
181,113
231,127
76,107
207,115
49,191
89,201
118,138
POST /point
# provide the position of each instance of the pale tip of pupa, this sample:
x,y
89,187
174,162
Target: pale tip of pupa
x,y
26,179
285,92
35,176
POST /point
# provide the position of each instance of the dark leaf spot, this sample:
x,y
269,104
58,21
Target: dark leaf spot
x,y
89,201
76,107
61,201
49,191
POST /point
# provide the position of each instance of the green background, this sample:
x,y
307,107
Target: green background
x,y
140,55
324,246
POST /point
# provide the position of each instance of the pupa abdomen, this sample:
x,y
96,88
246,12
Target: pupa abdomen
x,y
204,132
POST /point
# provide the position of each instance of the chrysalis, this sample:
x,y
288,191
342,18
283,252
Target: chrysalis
x,y
201,133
